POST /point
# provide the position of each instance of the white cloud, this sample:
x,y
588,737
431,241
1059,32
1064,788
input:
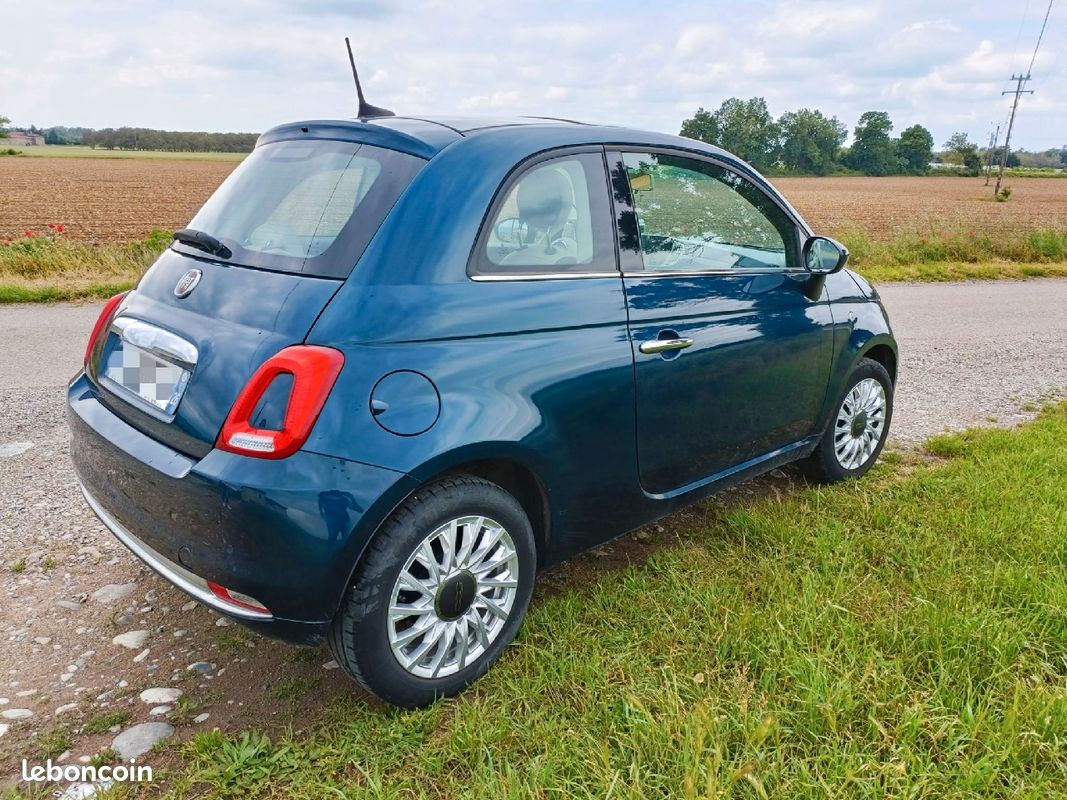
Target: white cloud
x,y
261,62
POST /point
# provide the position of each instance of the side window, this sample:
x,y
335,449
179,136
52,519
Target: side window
x,y
695,216
553,218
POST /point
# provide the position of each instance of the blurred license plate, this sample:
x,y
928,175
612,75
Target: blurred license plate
x,y
152,379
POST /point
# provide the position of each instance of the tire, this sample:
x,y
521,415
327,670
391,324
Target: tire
x,y
833,460
368,641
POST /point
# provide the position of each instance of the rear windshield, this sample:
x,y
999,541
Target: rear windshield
x,y
306,205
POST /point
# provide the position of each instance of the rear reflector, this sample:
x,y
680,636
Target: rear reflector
x,y
106,315
236,598
314,370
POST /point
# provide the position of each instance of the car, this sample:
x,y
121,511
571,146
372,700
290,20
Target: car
x,y
397,367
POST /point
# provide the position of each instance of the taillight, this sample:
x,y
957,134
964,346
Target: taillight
x,y
313,370
110,307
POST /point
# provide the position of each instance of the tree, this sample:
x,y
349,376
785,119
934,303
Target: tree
x,y
915,149
744,127
959,150
4,133
873,151
809,142
702,126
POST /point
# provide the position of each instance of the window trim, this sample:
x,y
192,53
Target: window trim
x,y
480,269
801,231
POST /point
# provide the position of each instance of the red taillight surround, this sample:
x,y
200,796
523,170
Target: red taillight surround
x,y
314,370
106,315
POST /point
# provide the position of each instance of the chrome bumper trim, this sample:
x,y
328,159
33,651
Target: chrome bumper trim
x,y
188,582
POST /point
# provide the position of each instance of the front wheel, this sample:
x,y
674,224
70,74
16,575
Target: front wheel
x,y
439,594
858,429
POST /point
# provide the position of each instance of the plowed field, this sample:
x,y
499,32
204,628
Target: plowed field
x,y
109,200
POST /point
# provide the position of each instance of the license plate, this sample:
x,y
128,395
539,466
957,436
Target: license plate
x,y
151,379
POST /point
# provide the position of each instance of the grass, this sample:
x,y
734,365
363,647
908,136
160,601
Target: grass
x,y
55,742
957,255
900,636
1044,245
102,723
83,151
48,268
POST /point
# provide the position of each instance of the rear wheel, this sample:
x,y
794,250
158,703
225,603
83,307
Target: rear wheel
x,y
439,594
858,429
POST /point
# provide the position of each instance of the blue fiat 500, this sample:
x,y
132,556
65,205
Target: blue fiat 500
x,y
395,367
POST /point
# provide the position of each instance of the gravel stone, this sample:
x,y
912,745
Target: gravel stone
x,y
132,640
113,592
139,739
16,713
160,696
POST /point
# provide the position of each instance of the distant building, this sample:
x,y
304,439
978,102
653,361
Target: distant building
x,y
23,139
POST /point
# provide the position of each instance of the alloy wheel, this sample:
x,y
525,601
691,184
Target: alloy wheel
x,y
860,424
453,596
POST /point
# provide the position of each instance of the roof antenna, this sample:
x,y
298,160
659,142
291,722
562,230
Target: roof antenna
x,y
366,110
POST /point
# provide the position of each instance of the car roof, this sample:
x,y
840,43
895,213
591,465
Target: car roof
x,y
427,136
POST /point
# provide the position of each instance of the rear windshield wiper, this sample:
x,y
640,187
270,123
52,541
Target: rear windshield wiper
x,y
202,241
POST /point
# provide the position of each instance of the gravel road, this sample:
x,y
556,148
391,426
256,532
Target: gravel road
x,y
86,630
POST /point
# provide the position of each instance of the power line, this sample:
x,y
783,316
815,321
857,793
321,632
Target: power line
x,y
1040,36
1019,35
1018,91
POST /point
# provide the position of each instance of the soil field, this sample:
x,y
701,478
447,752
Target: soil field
x,y
104,200
886,207
115,200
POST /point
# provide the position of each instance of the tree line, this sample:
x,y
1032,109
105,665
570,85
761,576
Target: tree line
x,y
147,139
810,143
172,141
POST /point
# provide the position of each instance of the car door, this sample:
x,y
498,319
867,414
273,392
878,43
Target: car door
x,y
731,357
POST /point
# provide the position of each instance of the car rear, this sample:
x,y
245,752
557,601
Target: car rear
x,y
198,391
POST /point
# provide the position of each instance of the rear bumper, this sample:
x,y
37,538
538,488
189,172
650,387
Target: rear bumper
x,y
287,532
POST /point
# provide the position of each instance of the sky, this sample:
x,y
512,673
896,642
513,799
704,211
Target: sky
x,y
246,65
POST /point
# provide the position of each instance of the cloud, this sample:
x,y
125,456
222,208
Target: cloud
x,y
250,64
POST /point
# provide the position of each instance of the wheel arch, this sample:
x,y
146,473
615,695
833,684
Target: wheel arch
x,y
884,354
507,469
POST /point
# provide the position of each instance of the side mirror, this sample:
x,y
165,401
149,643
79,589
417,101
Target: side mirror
x,y
824,256
511,231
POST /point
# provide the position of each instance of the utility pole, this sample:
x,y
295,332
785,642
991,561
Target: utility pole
x,y
994,138
1018,90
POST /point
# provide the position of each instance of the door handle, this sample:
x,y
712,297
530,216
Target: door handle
x,y
663,345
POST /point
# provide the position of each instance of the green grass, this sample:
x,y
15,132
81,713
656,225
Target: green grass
x,y
82,151
48,268
945,255
900,636
102,723
1044,245
55,742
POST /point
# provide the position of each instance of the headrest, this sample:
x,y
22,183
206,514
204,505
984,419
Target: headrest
x,y
545,199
